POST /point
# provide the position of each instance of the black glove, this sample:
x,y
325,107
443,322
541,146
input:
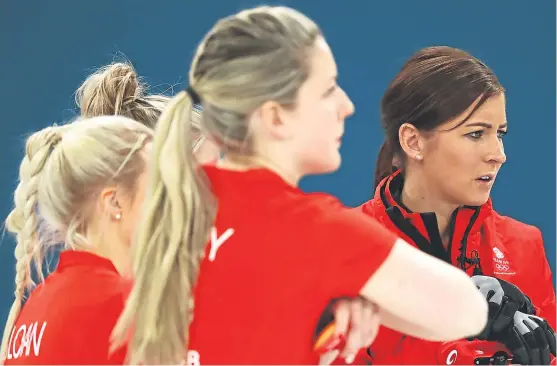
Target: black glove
x,y
531,340
504,300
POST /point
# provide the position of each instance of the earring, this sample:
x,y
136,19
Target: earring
x,y
418,156
118,216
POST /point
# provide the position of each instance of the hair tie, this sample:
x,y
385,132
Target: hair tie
x,y
193,95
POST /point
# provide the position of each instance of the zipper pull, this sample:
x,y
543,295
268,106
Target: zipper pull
x,y
477,263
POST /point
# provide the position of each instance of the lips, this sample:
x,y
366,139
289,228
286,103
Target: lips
x,y
486,177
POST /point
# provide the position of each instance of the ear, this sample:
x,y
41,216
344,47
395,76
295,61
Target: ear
x,y
110,203
273,121
411,141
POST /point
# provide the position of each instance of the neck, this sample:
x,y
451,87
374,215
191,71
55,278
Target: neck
x,y
109,246
419,198
243,162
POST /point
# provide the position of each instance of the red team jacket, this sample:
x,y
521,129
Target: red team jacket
x,y
482,240
285,255
68,319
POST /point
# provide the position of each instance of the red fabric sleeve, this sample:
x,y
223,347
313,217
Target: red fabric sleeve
x,y
541,291
353,246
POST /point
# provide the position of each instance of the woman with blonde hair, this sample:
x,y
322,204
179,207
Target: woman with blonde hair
x,y
105,184
276,256
116,89
81,185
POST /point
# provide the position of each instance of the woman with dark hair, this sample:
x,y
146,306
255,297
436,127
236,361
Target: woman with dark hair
x,y
444,119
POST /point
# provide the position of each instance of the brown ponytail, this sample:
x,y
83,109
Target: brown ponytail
x,y
384,165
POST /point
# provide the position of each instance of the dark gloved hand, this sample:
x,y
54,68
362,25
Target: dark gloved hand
x,y
504,300
531,340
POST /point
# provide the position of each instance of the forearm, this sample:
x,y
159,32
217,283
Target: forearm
x,y
394,322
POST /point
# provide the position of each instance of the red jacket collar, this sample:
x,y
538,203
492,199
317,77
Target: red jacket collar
x,y
421,227
73,258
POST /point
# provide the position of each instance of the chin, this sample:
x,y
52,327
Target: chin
x,y
326,166
476,201
334,163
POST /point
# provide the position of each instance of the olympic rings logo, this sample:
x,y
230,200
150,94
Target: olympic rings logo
x,y
502,267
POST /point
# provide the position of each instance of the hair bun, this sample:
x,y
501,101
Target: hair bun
x,y
109,90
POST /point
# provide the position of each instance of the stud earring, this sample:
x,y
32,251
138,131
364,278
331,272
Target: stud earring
x,y
118,216
419,157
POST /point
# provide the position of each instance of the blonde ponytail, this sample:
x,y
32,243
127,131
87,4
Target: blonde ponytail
x,y
23,221
245,60
171,239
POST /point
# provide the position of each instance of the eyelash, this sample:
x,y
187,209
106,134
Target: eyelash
x,y
476,135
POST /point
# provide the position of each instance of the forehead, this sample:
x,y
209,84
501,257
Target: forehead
x,y
323,67
492,111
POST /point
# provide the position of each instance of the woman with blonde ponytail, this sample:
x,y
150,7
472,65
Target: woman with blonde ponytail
x,y
248,285
84,181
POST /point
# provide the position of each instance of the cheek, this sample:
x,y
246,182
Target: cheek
x,y
323,124
317,131
135,213
135,208
452,164
319,136
132,221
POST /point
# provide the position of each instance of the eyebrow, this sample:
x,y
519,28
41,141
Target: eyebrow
x,y
484,124
333,81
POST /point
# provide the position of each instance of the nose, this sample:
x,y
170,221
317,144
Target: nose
x,y
347,107
497,152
